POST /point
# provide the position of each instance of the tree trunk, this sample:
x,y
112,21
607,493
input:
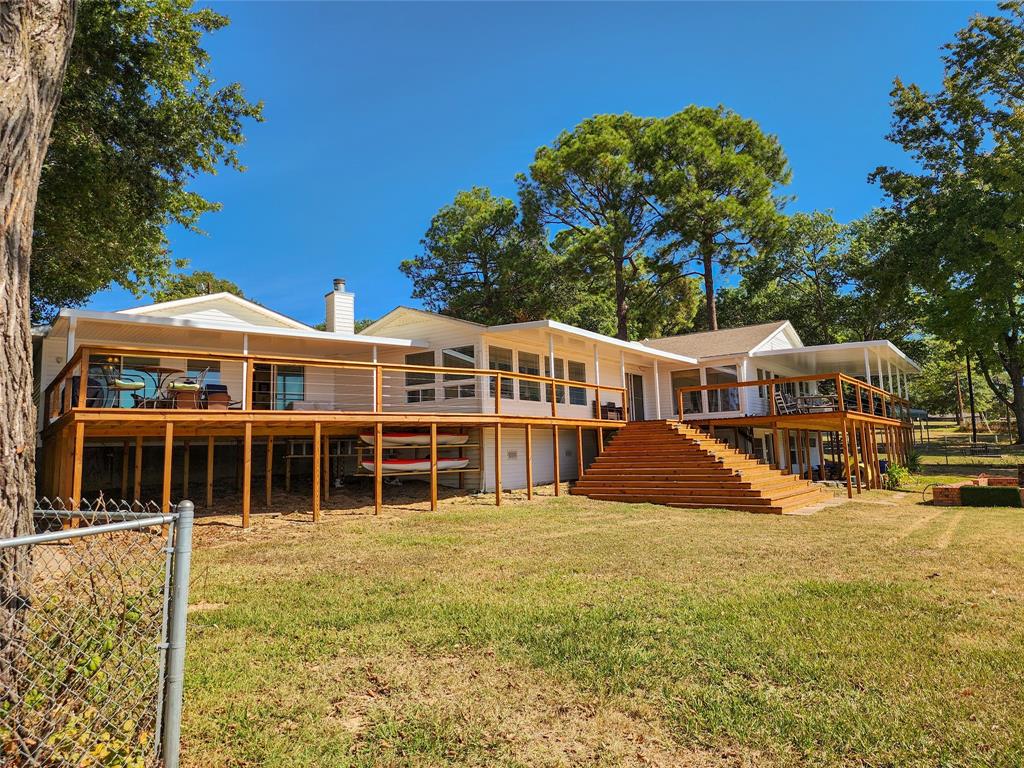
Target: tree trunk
x,y
621,306
1014,370
35,40
959,399
708,258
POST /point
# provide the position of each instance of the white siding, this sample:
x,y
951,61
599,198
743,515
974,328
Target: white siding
x,y
513,451
217,311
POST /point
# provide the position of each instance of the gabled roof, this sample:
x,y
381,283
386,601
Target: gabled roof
x,y
228,303
410,314
726,341
571,330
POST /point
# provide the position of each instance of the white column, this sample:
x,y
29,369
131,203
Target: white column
x,y
245,367
597,376
622,376
551,361
703,373
657,392
867,366
72,327
373,378
878,363
742,374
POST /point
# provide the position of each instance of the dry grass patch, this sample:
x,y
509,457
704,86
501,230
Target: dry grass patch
x,y
573,632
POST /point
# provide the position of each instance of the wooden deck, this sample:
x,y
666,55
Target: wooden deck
x,y
75,414
71,419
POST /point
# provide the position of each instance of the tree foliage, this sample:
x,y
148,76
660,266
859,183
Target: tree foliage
x,y
832,280
591,186
186,285
961,207
140,117
715,178
484,261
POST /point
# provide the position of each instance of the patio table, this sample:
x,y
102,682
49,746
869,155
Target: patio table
x,y
160,375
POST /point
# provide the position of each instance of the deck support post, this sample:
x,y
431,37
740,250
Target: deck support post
x,y
497,464
125,448
821,456
209,471
325,475
775,445
529,462
433,466
246,473
316,471
165,499
579,453
846,458
270,469
854,454
137,480
600,440
785,450
76,471
378,466
187,446
554,456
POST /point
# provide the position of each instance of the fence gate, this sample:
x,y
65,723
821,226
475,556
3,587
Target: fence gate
x,y
92,673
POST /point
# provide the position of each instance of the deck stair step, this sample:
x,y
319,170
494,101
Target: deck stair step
x,y
673,463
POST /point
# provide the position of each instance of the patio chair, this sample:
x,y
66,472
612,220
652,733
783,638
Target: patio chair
x,y
116,381
785,404
186,391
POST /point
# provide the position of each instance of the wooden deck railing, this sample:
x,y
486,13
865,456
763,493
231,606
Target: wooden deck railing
x,y
338,386
833,393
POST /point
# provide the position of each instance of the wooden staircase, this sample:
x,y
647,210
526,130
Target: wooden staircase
x,y
668,462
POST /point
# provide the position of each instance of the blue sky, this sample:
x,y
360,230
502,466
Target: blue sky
x,y
377,114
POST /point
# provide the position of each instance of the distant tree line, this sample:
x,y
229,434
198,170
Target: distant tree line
x,y
626,225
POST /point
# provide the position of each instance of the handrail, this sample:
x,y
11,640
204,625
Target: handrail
x,y
79,361
466,373
839,378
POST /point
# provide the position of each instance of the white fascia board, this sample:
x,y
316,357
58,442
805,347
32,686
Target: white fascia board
x,y
221,296
849,345
633,346
252,330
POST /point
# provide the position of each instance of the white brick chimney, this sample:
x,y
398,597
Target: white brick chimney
x,y
341,309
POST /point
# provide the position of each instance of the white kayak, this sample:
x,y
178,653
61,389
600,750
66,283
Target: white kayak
x,y
416,465
415,438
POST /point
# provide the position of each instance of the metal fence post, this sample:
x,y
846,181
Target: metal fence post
x,y
171,736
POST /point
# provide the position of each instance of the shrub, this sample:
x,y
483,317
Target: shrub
x,y
989,496
896,476
914,462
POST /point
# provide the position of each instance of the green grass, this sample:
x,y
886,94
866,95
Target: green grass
x,y
571,632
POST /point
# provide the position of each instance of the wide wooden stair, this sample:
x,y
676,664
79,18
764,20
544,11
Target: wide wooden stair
x,y
668,462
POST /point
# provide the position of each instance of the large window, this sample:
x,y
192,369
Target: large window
x,y
500,359
459,357
291,385
419,385
722,399
559,374
692,402
577,372
275,386
529,363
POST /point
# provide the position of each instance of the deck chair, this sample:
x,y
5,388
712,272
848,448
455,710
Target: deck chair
x,y
784,404
115,382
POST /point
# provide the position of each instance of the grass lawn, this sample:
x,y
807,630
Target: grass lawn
x,y
881,632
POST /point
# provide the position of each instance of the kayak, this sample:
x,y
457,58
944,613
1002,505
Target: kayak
x,y
416,465
415,438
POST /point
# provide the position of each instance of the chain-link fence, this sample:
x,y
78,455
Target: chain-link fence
x,y
92,656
